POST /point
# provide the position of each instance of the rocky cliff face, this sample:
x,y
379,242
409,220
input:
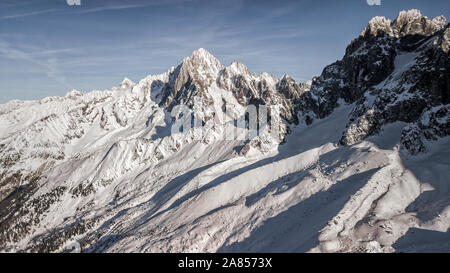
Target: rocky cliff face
x,y
202,72
394,72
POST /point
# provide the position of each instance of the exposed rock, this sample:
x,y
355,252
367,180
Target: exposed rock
x,y
433,124
410,22
395,71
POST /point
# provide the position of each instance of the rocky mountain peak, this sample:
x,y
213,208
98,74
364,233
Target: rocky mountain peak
x,y
393,74
202,53
440,21
203,60
126,83
199,75
408,16
290,88
238,67
378,23
191,78
410,22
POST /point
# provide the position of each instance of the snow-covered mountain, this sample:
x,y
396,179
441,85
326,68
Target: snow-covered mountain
x,y
359,162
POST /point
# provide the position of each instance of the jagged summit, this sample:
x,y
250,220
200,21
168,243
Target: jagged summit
x,y
202,53
200,66
378,23
409,15
202,75
286,76
396,71
239,67
74,93
413,22
410,22
126,83
440,20
201,58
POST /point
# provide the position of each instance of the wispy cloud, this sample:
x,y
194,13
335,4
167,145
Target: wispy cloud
x,y
96,43
106,8
49,63
112,7
13,16
14,3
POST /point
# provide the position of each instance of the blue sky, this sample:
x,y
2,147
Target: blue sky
x,y
48,47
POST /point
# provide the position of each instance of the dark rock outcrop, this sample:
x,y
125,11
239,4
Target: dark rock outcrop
x,y
394,71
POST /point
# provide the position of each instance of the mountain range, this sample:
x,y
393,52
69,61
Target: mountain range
x,y
359,162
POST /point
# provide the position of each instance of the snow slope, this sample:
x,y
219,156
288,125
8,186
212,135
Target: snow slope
x,y
103,171
310,195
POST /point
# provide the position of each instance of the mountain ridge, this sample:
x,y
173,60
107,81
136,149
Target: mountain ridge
x,y
359,160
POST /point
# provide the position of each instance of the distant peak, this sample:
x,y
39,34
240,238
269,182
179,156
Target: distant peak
x,y
239,67
126,83
201,58
200,50
74,93
202,53
237,63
